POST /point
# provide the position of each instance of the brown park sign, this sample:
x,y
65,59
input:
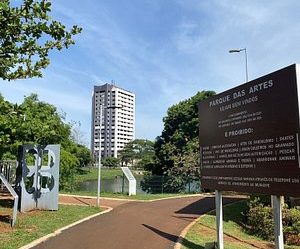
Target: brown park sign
x,y
249,136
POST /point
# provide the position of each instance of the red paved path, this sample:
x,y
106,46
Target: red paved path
x,y
133,224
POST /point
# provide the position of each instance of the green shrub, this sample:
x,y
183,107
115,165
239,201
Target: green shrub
x,y
111,162
291,226
260,219
264,199
68,167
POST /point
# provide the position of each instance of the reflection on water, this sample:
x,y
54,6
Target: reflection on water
x,y
114,185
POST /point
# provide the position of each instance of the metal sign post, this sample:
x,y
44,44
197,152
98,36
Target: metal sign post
x,y
277,212
219,219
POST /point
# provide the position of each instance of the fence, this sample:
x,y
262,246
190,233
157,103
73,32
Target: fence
x,y
151,184
156,184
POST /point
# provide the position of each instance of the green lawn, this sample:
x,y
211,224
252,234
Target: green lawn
x,y
87,174
124,196
36,224
204,232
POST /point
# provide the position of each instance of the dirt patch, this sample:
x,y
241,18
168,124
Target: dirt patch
x,y
5,218
5,223
31,213
6,209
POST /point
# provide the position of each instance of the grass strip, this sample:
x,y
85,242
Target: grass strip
x,y
203,232
88,174
36,224
144,197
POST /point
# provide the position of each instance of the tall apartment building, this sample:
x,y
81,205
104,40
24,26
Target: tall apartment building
x,y
118,119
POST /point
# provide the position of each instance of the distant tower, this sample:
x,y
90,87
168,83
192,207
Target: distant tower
x,y
118,124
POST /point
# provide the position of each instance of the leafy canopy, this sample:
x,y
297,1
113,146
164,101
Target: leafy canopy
x,y
139,152
27,34
37,122
110,161
177,148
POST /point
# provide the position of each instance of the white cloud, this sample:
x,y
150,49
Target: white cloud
x,y
191,56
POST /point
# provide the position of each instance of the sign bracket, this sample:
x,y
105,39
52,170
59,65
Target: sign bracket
x,y
219,219
277,212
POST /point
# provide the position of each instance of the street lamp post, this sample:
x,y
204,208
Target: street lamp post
x,y
99,156
246,59
99,152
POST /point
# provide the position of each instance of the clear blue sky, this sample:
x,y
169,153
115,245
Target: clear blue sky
x,y
162,50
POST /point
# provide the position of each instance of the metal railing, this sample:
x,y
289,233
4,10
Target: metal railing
x,y
8,170
7,180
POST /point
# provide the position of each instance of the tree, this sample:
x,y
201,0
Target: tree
x,y
77,135
147,162
110,161
127,155
32,121
185,170
43,124
139,152
177,149
82,153
5,125
68,166
27,34
37,122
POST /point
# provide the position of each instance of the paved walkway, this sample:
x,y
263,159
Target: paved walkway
x,y
132,224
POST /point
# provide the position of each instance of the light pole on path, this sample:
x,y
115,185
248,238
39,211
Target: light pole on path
x,y
246,59
102,107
